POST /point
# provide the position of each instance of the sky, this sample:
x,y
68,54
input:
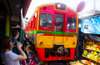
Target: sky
x,y
73,4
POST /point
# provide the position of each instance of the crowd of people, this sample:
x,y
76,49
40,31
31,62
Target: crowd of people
x,y
13,52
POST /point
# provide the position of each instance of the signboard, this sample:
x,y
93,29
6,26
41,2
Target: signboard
x,y
91,25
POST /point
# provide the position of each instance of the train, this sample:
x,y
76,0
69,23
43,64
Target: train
x,y
55,31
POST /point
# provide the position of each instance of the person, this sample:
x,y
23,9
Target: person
x,y
15,41
9,57
32,58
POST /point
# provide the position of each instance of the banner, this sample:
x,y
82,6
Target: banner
x,y
91,25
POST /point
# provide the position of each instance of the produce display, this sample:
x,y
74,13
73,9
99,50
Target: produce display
x,y
82,62
93,46
92,51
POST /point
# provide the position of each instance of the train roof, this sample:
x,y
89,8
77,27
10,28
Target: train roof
x,y
58,6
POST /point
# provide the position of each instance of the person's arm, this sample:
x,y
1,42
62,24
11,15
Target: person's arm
x,y
22,56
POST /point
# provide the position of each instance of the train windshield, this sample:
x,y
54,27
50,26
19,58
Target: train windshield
x,y
45,20
71,23
59,22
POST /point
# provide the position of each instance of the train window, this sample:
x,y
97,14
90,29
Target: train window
x,y
71,23
45,20
59,22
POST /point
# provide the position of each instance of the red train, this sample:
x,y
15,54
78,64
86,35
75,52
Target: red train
x,y
55,29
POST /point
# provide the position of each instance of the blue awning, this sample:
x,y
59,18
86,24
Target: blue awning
x,y
91,25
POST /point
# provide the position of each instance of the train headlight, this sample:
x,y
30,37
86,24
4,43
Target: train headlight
x,y
60,6
73,26
68,25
